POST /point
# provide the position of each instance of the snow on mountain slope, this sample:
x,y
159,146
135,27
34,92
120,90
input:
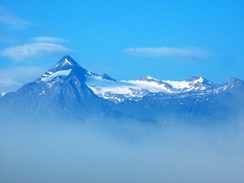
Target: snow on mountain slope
x,y
124,89
192,84
52,75
118,91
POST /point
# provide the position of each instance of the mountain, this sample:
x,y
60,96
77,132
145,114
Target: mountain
x,y
60,92
69,91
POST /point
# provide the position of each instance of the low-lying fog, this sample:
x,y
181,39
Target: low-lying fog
x,y
120,152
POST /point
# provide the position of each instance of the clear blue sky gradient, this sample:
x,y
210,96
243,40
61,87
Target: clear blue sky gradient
x,y
97,32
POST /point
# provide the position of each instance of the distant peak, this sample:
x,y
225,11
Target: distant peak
x,y
107,77
67,60
194,78
65,63
65,66
147,78
67,57
199,80
235,81
150,79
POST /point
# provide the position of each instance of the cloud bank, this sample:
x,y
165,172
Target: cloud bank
x,y
168,52
61,152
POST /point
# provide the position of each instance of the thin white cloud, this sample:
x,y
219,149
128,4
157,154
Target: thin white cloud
x,y
11,20
47,39
168,52
12,79
22,52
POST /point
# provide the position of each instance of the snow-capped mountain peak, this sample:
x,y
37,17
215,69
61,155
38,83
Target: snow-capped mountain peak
x,y
196,78
107,77
199,80
64,67
65,63
147,78
151,79
194,83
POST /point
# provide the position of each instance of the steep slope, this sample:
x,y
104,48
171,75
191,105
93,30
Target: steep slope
x,y
59,93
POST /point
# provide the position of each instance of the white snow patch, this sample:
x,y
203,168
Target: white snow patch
x,y
200,80
56,74
128,88
150,86
42,92
185,85
66,61
2,94
178,84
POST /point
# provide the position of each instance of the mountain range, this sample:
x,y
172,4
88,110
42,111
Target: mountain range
x,y
69,91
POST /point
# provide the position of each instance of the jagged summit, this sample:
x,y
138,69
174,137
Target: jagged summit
x,y
107,77
234,82
65,63
200,80
194,78
64,67
147,78
67,60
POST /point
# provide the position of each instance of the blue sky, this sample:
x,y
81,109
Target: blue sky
x,y
165,39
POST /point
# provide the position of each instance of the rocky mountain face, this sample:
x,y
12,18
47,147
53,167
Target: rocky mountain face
x,y
68,91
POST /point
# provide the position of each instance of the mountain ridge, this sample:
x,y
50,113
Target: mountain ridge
x,y
68,90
